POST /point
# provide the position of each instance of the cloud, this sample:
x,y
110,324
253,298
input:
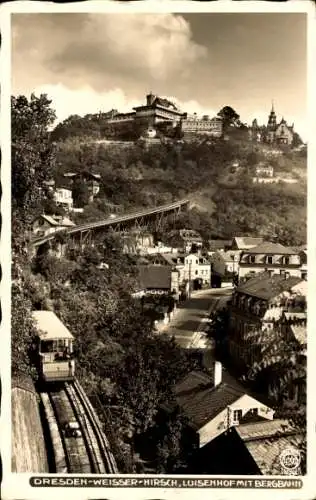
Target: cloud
x,y
104,51
86,100
83,101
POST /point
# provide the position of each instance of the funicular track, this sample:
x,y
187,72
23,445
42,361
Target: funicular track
x,y
90,452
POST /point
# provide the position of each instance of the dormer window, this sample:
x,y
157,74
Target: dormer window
x,y
237,416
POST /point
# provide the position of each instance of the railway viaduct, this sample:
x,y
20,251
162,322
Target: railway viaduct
x,y
141,220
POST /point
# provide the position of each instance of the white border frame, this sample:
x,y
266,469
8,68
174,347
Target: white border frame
x,y
17,485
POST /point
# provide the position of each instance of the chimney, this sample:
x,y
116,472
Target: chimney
x,y
217,373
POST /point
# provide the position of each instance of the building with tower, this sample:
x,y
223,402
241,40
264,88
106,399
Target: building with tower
x,y
156,110
276,133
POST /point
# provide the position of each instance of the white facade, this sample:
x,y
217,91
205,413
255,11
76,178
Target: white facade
x,y
195,267
226,262
231,416
276,263
63,197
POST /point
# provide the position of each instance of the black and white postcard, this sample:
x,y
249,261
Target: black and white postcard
x,y
157,265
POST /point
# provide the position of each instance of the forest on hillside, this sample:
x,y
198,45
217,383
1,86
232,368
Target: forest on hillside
x,y
134,177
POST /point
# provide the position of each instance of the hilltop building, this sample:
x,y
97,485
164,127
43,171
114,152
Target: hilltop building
x,y
192,126
156,110
275,133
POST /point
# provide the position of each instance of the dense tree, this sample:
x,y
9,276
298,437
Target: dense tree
x,y
229,117
33,154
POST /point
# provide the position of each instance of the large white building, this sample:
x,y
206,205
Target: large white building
x,y
271,257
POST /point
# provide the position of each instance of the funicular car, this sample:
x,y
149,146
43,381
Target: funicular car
x,y
55,348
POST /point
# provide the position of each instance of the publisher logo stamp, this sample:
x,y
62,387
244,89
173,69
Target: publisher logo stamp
x,y
290,460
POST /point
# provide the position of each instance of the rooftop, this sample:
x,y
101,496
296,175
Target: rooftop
x,y
155,277
245,242
264,286
51,328
266,440
201,401
218,244
272,248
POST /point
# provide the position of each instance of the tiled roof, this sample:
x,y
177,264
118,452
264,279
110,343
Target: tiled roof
x,y
271,248
231,255
50,220
263,429
266,287
245,242
218,244
266,440
155,277
201,401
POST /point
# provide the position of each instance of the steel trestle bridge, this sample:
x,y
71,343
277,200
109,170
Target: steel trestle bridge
x,y
141,219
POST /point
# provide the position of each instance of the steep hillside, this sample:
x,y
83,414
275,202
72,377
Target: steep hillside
x,y
224,195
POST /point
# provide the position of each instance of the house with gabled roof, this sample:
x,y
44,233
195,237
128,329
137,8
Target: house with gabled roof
x,y
213,403
271,257
245,242
251,448
47,224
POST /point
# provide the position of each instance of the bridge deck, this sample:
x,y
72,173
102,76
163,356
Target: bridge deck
x,y
114,221
127,217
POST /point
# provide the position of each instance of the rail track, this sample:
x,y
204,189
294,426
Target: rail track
x,y
89,451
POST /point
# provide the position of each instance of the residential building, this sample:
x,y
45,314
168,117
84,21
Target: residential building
x,y
218,245
263,173
213,405
185,240
92,181
294,329
63,198
245,242
225,266
258,306
226,263
47,224
251,448
156,279
192,126
272,257
193,268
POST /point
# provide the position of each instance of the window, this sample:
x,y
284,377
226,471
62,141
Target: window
x,y
269,259
196,272
286,260
252,259
237,416
304,275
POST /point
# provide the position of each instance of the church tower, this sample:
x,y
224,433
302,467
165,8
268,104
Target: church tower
x,y
272,121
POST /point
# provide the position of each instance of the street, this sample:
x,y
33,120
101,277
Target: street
x,y
187,324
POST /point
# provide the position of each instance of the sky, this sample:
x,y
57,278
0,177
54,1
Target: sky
x,y
96,62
